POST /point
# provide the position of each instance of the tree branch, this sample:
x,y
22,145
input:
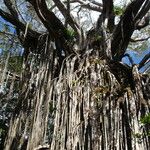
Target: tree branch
x,y
129,57
30,35
49,19
55,27
139,40
64,11
10,18
68,13
7,34
10,7
125,28
96,3
108,13
143,23
70,19
89,5
146,60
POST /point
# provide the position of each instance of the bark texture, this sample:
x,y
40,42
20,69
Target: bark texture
x,y
95,112
87,107
80,98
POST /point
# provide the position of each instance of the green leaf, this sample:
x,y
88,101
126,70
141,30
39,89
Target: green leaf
x,y
146,119
118,10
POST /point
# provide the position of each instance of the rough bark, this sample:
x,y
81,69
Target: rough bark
x,y
81,102
90,105
95,111
125,28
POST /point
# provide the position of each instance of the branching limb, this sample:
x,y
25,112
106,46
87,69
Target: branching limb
x,y
49,19
140,40
144,22
125,28
70,19
144,61
68,12
56,29
92,5
108,13
64,11
10,18
24,35
11,8
129,57
95,6
144,8
96,3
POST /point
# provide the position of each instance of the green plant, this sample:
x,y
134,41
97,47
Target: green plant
x,y
118,10
145,119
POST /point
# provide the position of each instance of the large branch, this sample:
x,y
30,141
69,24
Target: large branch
x,y
28,33
96,3
25,34
95,6
140,40
49,19
10,18
14,10
146,60
70,19
143,23
125,28
55,27
108,13
63,10
11,8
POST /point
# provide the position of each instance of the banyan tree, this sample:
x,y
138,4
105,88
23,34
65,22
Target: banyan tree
x,y
74,91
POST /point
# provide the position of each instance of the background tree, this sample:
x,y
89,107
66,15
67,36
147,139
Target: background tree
x,y
73,91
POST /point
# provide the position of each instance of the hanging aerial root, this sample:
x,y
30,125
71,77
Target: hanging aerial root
x,y
95,111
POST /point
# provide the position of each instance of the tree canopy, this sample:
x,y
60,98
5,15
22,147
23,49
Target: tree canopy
x,y
68,21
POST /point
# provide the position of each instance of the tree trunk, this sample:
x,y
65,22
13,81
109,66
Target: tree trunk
x,y
85,101
94,104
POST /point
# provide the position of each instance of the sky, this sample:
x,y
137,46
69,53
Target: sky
x,y
137,57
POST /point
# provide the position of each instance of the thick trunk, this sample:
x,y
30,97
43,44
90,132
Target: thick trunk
x,y
94,104
75,98
94,111
29,123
